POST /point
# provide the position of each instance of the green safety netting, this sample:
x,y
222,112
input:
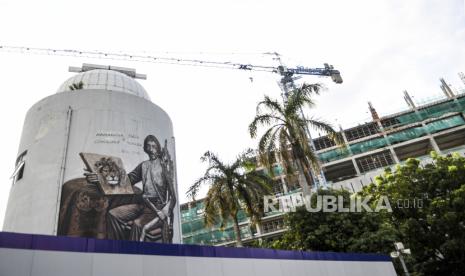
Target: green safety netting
x,y
445,123
213,236
334,154
433,127
400,120
192,234
193,219
277,170
430,112
439,110
461,102
368,145
408,118
193,226
192,214
406,135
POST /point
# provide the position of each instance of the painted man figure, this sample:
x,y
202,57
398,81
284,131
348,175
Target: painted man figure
x,y
152,217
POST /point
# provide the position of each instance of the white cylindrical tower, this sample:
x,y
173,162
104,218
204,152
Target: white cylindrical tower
x,y
97,159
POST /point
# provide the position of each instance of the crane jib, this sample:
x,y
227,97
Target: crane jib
x,y
310,71
327,71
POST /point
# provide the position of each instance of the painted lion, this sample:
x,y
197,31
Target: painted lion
x,y
110,171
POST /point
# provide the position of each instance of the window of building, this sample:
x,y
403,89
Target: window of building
x,y
374,161
292,182
19,167
323,143
272,225
361,131
277,187
245,232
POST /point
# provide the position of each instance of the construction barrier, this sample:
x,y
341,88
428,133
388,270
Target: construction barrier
x,y
34,255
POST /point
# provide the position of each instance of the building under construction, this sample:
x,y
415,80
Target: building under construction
x,y
368,148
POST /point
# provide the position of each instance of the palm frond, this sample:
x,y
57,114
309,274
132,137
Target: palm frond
x,y
312,88
272,105
213,160
194,188
216,205
302,97
262,120
321,125
268,137
268,149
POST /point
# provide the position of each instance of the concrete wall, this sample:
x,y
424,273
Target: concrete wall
x,y
31,255
20,262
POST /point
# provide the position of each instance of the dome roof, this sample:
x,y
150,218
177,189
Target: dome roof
x,y
109,80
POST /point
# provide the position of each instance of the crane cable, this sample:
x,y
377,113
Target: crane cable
x,y
136,58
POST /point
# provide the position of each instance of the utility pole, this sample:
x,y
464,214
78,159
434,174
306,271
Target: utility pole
x,y
400,250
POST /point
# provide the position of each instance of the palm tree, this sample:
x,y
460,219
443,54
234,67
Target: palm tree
x,y
286,134
233,187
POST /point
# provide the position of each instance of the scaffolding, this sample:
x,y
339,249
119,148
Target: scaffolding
x,y
323,143
361,131
277,188
273,225
375,161
292,183
195,230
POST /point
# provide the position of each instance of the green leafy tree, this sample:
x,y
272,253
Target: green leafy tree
x,y
428,216
428,212
232,187
335,231
286,131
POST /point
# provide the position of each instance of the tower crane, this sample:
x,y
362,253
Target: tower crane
x,y
288,75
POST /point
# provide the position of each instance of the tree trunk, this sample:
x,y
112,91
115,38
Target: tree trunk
x,y
308,179
298,157
237,231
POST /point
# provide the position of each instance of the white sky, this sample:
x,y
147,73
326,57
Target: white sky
x,y
380,47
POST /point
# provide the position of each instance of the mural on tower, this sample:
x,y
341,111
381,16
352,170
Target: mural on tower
x,y
105,203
